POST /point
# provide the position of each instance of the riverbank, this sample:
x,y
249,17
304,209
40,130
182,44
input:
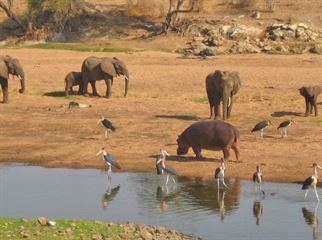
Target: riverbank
x,y
166,95
13,228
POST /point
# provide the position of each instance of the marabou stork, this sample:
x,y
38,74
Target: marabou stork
x,y
162,168
261,126
220,173
107,124
312,181
283,127
257,179
110,161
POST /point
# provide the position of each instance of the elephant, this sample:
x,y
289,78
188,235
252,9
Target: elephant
x,y
311,93
222,86
72,79
9,65
94,68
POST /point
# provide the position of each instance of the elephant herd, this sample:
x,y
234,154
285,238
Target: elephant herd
x,y
221,86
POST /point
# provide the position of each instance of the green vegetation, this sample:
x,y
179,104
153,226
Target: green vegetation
x,y
72,47
12,228
203,99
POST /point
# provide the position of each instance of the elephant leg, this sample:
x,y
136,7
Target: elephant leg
x,y
211,104
315,107
217,107
197,151
230,107
93,84
108,83
311,106
307,107
4,86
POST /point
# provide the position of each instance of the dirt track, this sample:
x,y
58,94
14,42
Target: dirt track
x,y
165,91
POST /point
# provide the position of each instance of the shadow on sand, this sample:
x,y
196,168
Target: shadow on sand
x,y
283,113
180,117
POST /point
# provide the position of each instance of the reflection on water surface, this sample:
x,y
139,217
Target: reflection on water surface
x,y
193,206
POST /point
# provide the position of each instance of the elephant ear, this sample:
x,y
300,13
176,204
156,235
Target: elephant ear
x,y
307,91
108,67
4,73
237,82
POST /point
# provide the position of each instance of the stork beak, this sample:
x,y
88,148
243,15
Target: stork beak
x,y
319,167
98,122
166,153
100,151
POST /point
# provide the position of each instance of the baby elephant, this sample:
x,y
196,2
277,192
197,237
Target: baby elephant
x,y
311,93
72,79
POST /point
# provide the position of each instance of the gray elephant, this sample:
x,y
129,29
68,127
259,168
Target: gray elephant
x,y
94,68
311,93
72,79
222,86
9,65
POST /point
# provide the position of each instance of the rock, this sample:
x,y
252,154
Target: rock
x,y
244,47
255,15
317,48
42,221
207,52
51,223
24,233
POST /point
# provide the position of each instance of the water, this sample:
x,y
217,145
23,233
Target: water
x,y
194,206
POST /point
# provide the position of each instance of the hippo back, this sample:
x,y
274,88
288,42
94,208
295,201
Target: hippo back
x,y
210,134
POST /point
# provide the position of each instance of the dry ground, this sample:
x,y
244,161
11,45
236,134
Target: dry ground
x,y
165,92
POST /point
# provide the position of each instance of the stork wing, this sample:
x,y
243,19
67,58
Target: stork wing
x,y
307,183
108,158
159,168
217,172
170,170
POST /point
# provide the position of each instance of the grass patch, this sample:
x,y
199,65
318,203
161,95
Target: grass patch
x,y
203,99
72,47
12,228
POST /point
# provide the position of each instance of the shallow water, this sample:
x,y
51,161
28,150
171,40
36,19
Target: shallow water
x,y
193,206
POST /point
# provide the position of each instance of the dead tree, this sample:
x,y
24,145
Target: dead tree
x,y
176,7
8,9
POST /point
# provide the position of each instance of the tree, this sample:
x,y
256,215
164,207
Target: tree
x,y
175,8
8,9
55,12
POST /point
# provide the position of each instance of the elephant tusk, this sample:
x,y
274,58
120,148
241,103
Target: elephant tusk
x,y
229,101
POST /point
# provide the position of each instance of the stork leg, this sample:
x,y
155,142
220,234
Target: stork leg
x,y
166,182
218,183
316,193
223,182
174,181
306,193
106,136
285,132
262,133
281,132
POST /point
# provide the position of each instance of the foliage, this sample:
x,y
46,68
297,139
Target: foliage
x,y
56,13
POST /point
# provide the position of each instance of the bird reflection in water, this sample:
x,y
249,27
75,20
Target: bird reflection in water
x,y
312,220
257,211
221,204
165,195
109,195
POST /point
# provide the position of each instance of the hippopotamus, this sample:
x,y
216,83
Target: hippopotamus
x,y
213,135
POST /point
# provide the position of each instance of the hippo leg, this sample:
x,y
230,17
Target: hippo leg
x,y
197,151
226,153
236,150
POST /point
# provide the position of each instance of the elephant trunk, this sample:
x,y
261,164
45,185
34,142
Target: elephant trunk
x,y
22,76
126,79
225,101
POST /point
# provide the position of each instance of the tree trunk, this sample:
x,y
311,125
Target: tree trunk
x,y
10,14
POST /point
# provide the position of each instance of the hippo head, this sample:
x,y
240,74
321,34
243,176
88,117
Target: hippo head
x,y
183,147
